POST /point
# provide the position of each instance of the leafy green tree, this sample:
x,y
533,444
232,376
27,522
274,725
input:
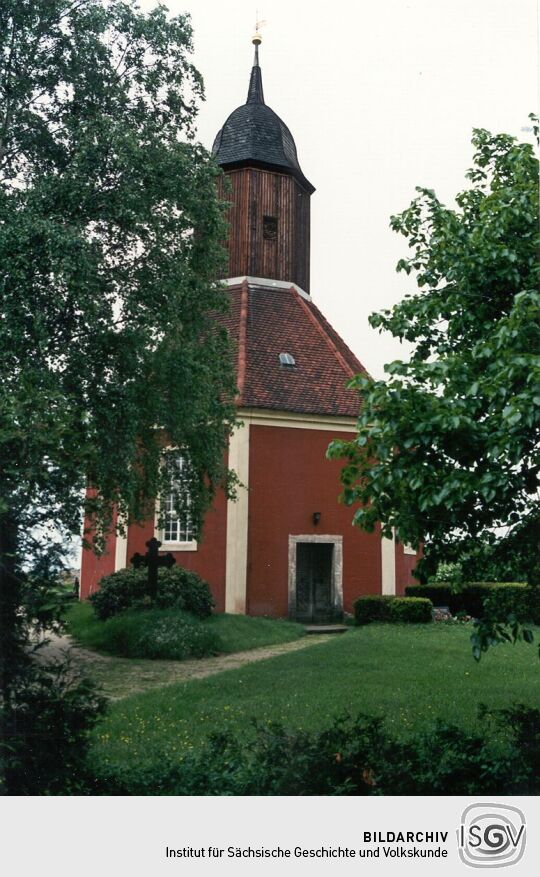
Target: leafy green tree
x,y
482,561
110,233
447,448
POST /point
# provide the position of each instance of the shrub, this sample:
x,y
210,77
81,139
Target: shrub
x,y
45,732
506,598
522,601
158,633
177,587
353,756
533,603
117,592
371,608
185,589
440,594
412,610
498,599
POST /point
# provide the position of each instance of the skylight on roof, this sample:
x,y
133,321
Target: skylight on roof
x,y
287,360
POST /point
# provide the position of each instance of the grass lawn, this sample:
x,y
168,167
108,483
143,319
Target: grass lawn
x,y
412,674
225,633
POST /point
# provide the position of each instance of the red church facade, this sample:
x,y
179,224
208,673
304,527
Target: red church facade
x,y
286,546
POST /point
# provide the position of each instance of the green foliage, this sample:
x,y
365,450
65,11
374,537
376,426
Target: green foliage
x,y
165,636
181,587
447,447
110,233
411,609
497,600
175,634
501,611
491,560
352,756
45,733
110,243
488,632
522,603
440,594
128,588
371,607
156,633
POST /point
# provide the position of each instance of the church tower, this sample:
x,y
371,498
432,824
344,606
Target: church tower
x,y
269,216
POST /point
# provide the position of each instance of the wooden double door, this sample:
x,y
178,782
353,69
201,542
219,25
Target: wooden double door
x,y
315,598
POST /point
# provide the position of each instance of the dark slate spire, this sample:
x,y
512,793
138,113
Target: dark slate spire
x,y
255,91
255,135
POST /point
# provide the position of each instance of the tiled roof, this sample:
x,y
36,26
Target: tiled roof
x,y
267,321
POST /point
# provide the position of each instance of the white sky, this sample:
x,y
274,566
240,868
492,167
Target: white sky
x,y
380,97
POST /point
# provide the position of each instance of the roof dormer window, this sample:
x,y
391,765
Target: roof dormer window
x,y
287,360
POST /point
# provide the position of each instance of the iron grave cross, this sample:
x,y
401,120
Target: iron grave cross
x,y
152,561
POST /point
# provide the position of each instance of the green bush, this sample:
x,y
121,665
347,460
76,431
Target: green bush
x,y
533,603
412,610
440,593
505,597
128,589
158,633
353,756
522,601
45,732
498,599
371,607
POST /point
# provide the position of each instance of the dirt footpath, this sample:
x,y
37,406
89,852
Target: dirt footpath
x,y
121,677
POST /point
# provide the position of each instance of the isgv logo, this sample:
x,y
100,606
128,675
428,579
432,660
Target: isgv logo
x,y
491,835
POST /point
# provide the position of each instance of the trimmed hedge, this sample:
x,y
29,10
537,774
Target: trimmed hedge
x,y
371,608
376,607
411,610
500,599
128,589
440,594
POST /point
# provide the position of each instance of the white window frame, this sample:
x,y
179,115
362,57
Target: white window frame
x,y
408,549
172,544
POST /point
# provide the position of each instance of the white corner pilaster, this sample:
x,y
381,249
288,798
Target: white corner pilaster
x,y
120,551
388,565
237,524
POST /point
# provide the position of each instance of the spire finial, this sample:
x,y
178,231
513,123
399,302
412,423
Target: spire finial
x,y
256,38
255,92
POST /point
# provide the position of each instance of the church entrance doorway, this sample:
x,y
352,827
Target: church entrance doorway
x,y
314,591
316,578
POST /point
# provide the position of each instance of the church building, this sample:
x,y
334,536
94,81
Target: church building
x,y
285,547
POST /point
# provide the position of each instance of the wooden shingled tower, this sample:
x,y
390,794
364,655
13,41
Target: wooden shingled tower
x,y
270,209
